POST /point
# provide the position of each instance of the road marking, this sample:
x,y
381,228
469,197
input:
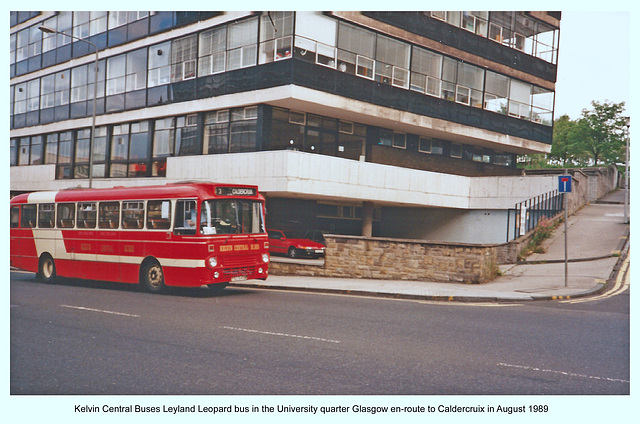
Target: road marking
x,y
269,333
568,374
82,308
621,284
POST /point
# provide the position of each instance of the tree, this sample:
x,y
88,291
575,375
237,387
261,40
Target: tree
x,y
566,147
601,132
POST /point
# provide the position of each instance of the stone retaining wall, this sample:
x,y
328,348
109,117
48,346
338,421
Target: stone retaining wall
x,y
399,259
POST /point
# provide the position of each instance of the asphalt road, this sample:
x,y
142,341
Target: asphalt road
x,y
86,338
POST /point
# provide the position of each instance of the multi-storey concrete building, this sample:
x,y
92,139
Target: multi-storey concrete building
x,y
395,124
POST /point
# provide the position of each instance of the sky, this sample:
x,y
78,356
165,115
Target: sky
x,y
594,60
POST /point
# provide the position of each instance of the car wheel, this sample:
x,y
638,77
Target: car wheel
x,y
292,253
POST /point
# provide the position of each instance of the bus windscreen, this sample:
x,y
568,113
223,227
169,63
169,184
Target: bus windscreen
x,y
231,216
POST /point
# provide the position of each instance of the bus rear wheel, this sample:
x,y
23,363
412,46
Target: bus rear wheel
x,y
152,277
46,269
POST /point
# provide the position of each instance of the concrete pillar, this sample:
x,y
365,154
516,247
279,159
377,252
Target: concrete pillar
x,y
367,219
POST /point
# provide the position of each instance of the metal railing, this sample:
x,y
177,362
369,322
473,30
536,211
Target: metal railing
x,y
528,213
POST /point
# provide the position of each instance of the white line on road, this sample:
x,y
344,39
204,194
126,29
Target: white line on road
x,y
568,374
82,308
269,333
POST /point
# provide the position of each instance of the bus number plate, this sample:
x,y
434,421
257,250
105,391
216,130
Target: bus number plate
x,y
239,278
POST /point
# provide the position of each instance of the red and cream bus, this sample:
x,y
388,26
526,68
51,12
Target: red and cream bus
x,y
146,235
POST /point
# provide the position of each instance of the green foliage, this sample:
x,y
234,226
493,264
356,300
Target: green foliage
x,y
543,231
596,138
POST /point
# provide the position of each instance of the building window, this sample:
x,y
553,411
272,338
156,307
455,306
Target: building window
x,y
130,150
428,145
163,142
136,75
496,93
33,95
22,45
276,29
81,162
519,99
119,151
542,106
392,138
315,38
216,132
187,141
159,64
116,74
139,149
65,154
117,19
82,87
24,151
456,151
392,62
400,140
242,44
356,50
36,150
475,22
503,159
20,99
51,149
13,158
99,153
516,30
87,24
62,84
470,85
183,58
212,51
242,129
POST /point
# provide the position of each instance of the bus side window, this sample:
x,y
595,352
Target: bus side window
x,y
185,221
133,215
66,215
15,216
159,214
28,217
46,215
87,215
108,215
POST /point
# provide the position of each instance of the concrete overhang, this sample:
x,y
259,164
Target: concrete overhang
x,y
294,174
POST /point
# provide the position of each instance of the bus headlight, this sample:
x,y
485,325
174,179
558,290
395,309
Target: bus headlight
x,y
265,257
212,262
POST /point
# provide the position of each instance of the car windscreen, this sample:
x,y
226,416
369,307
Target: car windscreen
x,y
231,216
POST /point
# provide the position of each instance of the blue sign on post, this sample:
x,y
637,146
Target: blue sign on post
x,y
564,183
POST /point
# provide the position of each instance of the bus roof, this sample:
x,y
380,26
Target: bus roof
x,y
201,190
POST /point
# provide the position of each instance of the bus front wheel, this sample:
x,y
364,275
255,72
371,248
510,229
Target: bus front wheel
x,y
217,287
46,269
152,277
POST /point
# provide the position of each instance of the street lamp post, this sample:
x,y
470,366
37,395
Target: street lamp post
x,y
626,172
95,94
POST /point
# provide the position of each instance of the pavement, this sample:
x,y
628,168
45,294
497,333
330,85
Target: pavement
x,y
597,244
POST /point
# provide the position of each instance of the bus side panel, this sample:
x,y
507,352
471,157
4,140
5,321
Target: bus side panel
x,y
23,253
132,252
93,255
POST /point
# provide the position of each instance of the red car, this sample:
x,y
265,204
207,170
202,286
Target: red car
x,y
279,242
